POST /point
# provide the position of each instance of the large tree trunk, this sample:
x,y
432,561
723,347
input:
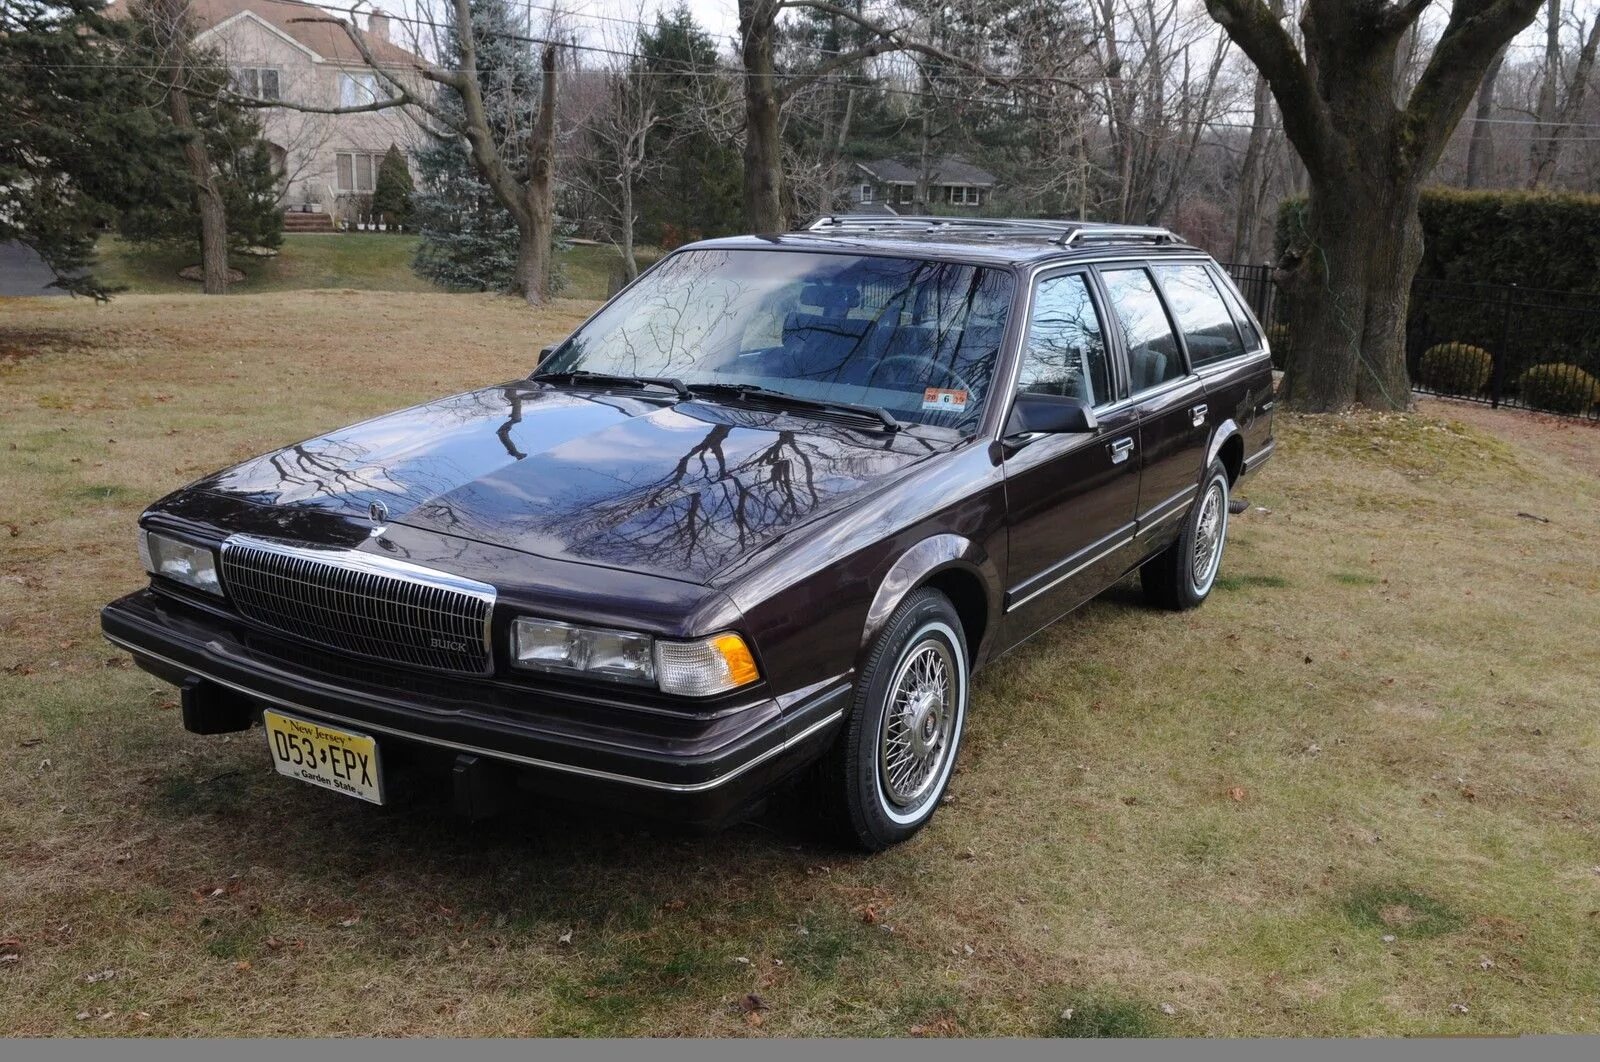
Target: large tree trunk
x,y
763,148
208,197
536,221
169,20
1347,286
1480,148
1347,277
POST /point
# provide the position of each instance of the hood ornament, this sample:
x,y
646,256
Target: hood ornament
x,y
379,513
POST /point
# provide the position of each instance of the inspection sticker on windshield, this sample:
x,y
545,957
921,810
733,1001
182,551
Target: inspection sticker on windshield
x,y
946,399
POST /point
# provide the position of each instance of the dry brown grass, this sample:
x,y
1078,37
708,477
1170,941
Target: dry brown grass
x,y
1383,724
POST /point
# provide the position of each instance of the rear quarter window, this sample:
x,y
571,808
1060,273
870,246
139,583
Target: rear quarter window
x,y
1207,324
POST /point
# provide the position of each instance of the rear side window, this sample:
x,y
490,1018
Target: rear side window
x,y
1066,349
1208,328
1241,318
1153,356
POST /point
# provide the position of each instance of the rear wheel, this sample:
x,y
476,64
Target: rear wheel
x,y
887,773
1182,575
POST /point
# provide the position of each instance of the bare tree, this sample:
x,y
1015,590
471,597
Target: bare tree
x,y
615,125
528,195
1157,104
765,96
1480,147
1347,277
1559,103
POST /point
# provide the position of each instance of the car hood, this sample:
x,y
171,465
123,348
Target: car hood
x,y
681,491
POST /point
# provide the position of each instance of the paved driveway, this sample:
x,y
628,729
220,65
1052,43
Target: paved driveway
x,y
23,273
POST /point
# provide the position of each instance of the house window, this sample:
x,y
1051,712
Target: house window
x,y
356,170
866,193
906,192
257,82
358,90
963,195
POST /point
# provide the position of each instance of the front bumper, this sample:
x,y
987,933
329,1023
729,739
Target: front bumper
x,y
691,768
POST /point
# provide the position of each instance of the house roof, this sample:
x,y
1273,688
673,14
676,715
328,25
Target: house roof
x,y
328,40
951,169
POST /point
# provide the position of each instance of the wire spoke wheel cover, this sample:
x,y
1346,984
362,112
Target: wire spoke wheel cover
x,y
919,723
1210,533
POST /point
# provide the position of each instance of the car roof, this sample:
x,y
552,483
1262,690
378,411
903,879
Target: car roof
x,y
987,241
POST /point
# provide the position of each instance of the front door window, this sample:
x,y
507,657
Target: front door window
x,y
1065,352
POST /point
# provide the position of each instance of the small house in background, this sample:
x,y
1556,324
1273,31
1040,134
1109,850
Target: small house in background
x,y
889,186
303,53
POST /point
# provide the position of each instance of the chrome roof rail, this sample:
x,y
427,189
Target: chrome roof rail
x,y
1062,232
1081,231
929,223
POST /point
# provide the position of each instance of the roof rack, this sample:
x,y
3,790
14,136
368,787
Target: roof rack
x,y
1081,231
1063,233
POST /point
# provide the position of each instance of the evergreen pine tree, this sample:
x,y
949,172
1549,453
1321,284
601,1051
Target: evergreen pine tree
x,y
696,191
468,240
391,193
82,135
246,174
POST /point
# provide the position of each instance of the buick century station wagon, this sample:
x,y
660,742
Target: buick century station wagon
x,y
752,527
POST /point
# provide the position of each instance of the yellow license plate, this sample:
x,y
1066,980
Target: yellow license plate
x,y
334,759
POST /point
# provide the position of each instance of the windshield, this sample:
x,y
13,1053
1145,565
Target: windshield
x,y
916,338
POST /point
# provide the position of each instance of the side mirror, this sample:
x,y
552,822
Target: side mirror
x,y
545,352
1050,415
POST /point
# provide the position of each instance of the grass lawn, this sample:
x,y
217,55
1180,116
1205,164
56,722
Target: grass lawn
x,y
1358,792
360,261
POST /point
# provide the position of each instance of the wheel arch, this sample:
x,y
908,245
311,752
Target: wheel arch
x,y
956,567
1227,446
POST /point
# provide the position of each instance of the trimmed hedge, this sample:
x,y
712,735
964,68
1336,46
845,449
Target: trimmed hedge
x,y
1455,368
1530,239
1533,240
1559,388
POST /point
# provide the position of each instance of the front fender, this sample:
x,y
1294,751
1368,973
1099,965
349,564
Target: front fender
x,y
922,562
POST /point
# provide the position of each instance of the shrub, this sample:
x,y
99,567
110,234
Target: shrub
x,y
391,196
1456,368
1534,240
1531,239
1560,388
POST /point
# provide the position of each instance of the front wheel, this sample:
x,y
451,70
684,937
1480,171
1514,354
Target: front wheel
x,y
887,774
1182,575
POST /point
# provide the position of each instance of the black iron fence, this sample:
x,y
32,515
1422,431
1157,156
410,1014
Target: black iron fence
x,y
1502,345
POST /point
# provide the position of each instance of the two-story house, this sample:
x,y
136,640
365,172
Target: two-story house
x,y
286,50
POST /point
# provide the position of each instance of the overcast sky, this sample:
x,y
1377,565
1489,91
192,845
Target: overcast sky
x,y
594,20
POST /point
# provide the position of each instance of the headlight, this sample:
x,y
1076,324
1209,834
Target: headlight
x,y
546,645
194,566
699,668
716,664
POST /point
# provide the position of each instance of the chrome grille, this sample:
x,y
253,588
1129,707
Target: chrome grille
x,y
361,603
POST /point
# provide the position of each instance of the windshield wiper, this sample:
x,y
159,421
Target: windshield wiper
x,y
767,394
583,376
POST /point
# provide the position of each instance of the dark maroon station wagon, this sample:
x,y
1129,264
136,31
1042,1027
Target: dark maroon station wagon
x,y
757,521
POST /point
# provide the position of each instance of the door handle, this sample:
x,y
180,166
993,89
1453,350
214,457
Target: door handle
x,y
1120,450
1199,413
